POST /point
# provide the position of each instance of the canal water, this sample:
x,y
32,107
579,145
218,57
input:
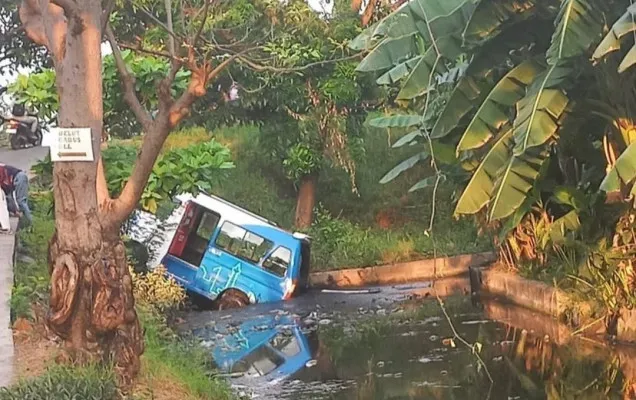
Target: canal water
x,y
374,346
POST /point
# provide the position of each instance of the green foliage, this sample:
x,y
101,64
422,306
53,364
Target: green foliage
x,y
31,279
169,357
184,169
346,231
301,161
66,383
38,91
519,118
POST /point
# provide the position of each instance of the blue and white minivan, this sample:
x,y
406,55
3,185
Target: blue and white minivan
x,y
233,256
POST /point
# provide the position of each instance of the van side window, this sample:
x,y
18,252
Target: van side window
x,y
207,225
278,262
242,244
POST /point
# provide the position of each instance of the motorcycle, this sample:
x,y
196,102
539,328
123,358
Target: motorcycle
x,y
21,135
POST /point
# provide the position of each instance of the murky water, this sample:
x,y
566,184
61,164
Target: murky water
x,y
401,351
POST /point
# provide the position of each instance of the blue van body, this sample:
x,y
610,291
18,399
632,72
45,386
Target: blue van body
x,y
263,350
218,246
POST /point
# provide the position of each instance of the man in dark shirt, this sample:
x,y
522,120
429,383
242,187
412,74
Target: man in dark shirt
x,y
15,181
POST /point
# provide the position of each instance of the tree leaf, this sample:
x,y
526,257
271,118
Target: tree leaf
x,y
481,75
612,41
424,183
579,24
541,108
569,196
567,223
481,186
389,53
514,182
623,171
406,139
490,18
398,72
395,121
628,61
494,113
403,166
461,102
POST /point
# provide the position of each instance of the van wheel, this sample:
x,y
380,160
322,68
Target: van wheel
x,y
233,298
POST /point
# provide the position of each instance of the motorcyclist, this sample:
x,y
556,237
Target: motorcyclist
x,y
18,113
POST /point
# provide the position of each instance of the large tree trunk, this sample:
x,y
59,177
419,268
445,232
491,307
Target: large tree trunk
x,y
91,305
305,202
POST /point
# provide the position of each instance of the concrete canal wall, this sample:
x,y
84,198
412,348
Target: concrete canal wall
x,y
414,271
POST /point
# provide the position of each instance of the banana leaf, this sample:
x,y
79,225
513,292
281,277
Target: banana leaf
x,y
612,41
579,24
623,171
493,114
539,111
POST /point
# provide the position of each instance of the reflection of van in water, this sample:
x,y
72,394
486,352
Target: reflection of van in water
x,y
225,253
264,348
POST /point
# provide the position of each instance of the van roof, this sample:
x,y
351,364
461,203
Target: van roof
x,y
245,218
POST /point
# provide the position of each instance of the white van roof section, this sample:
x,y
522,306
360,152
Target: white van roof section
x,y
228,210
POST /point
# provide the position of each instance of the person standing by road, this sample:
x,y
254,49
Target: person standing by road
x,y
14,181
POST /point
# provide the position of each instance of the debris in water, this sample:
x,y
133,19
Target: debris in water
x,y
449,342
443,372
433,338
311,363
380,364
325,321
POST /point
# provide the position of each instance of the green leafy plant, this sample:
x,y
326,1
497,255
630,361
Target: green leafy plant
x,y
65,383
301,161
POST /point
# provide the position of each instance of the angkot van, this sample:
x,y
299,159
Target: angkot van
x,y
234,257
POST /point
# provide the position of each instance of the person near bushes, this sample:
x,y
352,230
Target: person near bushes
x,y
14,181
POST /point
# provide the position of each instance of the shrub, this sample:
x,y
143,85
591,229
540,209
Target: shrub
x,y
156,291
170,357
65,383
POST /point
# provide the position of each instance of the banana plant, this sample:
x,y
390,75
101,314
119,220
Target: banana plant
x,y
523,81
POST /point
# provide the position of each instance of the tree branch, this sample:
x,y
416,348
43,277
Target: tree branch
x,y
128,82
206,11
108,10
268,68
171,46
46,25
72,13
151,145
156,20
197,88
146,51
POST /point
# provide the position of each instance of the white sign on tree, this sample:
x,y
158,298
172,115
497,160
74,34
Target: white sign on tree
x,y
71,144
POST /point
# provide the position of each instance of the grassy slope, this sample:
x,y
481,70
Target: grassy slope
x,y
380,225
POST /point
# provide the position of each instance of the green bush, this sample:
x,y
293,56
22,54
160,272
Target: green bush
x,y
66,383
167,355
31,279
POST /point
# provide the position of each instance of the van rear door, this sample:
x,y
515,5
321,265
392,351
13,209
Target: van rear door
x,y
190,242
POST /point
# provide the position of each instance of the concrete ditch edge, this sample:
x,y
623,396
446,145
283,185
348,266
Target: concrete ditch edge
x,y
535,296
407,272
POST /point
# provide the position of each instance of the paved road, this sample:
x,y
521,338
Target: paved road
x,y
23,159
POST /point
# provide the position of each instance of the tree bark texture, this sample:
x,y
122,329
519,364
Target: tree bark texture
x,y
306,201
91,302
